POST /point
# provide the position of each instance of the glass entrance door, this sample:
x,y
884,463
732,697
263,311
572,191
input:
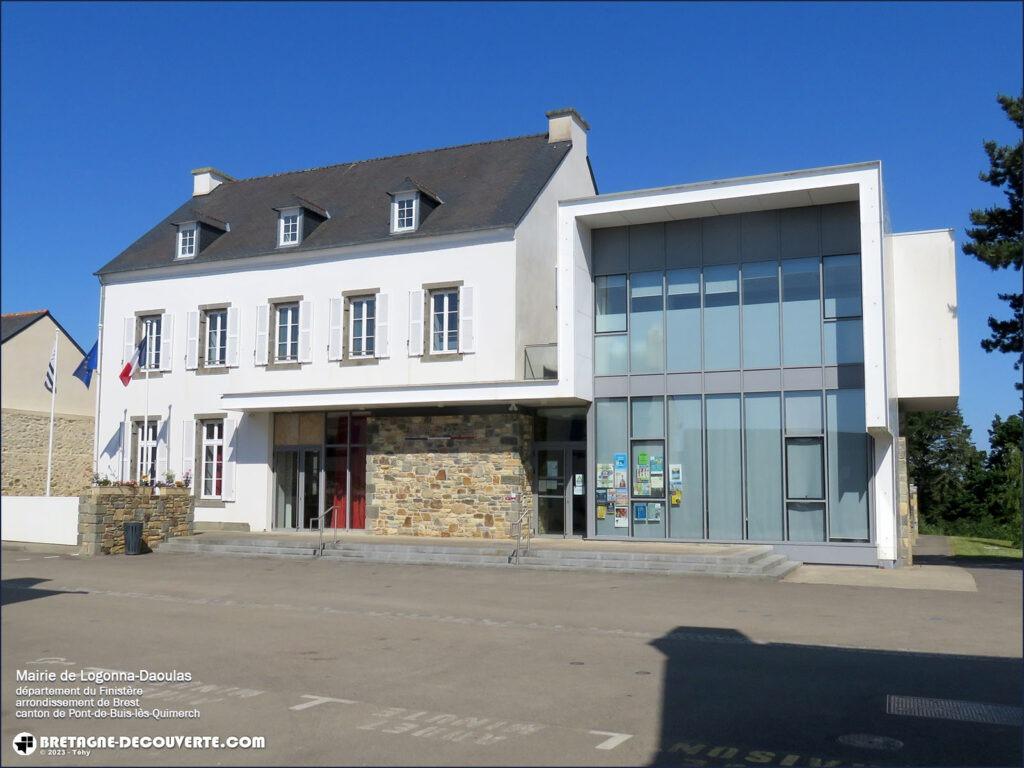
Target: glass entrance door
x,y
561,473
297,479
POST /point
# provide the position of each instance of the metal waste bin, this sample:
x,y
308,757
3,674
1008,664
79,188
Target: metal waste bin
x,y
133,538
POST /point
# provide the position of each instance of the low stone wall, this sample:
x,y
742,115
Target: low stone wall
x,y
25,439
907,534
102,513
457,476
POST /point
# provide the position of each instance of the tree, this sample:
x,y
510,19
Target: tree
x,y
997,232
946,467
1003,468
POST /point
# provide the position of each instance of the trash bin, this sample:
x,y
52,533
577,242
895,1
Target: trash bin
x,y
133,538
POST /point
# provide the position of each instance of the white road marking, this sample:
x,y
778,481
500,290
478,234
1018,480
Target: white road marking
x,y
952,709
317,701
23,559
50,557
613,740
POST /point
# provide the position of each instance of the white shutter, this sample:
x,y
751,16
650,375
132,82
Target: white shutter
x,y
415,323
126,450
234,334
166,341
162,436
129,339
382,328
467,341
305,331
188,448
191,341
334,340
230,453
262,333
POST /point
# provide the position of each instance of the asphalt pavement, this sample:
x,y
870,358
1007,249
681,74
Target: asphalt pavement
x,y
359,664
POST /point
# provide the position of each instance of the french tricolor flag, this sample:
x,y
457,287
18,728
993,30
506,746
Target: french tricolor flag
x,y
133,365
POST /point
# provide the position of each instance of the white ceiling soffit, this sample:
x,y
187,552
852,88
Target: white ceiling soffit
x,y
722,206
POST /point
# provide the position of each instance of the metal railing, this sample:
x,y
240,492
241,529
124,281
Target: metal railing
x,y
540,361
320,526
521,531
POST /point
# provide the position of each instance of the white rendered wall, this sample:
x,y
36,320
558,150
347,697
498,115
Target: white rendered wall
x,y
40,519
927,335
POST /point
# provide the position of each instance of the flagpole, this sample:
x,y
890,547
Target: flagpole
x,y
53,402
145,423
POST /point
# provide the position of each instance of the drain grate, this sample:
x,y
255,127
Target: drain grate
x,y
951,709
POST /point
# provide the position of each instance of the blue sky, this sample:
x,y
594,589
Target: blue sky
x,y
107,107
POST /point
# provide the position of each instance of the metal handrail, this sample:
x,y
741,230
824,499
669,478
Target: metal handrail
x,y
320,526
523,518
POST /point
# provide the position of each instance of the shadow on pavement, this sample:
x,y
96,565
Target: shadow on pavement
x,y
728,701
19,590
1000,563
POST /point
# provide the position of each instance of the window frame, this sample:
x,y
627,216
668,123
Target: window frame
x,y
396,212
207,316
143,442
216,442
191,229
292,343
446,313
154,341
368,302
282,223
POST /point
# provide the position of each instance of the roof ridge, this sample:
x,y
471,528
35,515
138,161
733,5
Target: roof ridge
x,y
29,312
391,157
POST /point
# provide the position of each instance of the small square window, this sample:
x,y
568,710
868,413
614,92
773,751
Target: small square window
x,y
290,228
405,212
186,241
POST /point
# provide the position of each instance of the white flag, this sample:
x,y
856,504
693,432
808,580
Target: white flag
x,y
51,370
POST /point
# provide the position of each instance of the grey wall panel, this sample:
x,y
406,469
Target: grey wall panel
x,y
646,247
611,250
850,377
723,381
682,243
802,378
799,232
840,228
685,383
720,236
762,381
611,386
759,236
647,385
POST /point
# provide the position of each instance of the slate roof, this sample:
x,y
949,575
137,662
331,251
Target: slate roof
x,y
14,323
484,186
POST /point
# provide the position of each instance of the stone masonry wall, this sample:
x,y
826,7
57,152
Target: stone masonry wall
x,y
25,436
102,513
449,476
906,532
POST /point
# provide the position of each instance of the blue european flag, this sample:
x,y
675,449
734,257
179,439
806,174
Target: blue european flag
x,y
87,366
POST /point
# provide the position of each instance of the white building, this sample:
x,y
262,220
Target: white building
x,y
437,342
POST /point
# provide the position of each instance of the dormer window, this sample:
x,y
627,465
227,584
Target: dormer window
x,y
186,241
290,227
405,211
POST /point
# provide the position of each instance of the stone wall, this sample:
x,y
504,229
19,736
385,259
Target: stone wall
x,y
25,436
457,476
102,513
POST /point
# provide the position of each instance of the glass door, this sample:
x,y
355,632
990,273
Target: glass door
x,y
579,492
310,488
297,495
561,472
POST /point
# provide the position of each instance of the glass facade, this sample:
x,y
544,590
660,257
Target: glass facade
x,y
734,457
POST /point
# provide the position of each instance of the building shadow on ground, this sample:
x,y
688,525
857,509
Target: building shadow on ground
x,y
20,590
998,563
729,701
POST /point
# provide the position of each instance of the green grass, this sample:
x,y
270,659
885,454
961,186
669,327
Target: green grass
x,y
970,546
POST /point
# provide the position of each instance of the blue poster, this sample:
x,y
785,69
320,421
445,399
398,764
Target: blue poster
x,y
620,461
640,512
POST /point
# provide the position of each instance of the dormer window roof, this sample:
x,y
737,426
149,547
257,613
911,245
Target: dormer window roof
x,y
410,205
196,233
289,227
187,237
296,220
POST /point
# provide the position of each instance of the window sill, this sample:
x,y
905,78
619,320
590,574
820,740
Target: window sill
x,y
211,370
288,245
440,357
284,365
360,360
210,503
153,374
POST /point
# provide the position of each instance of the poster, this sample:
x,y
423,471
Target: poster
x,y
642,488
640,513
620,461
654,513
642,473
577,485
605,475
675,475
601,495
552,469
657,465
621,517
657,484
602,511
621,497
620,479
